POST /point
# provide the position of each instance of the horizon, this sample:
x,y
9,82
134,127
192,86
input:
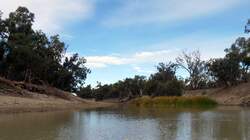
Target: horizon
x,y
122,39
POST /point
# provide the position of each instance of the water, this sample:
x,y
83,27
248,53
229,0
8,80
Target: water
x,y
230,123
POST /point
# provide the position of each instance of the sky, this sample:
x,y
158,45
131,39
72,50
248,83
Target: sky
x,y
123,38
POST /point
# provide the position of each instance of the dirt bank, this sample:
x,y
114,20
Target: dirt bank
x,y
10,104
237,95
24,97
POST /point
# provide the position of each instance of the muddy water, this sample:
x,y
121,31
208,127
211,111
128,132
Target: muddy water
x,y
223,123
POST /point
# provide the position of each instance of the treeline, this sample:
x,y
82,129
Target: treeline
x,y
29,55
228,71
162,83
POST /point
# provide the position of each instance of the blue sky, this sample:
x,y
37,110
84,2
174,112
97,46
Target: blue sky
x,y
123,38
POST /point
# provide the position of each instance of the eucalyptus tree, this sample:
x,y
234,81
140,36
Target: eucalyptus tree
x,y
240,52
226,71
196,68
29,55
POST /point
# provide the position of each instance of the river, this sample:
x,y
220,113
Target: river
x,y
122,123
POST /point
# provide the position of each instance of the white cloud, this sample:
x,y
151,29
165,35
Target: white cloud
x,y
96,65
165,11
137,58
103,61
141,70
51,15
165,51
155,56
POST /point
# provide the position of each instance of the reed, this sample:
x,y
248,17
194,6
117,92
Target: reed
x,y
163,101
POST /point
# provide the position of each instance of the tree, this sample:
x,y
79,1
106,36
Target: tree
x,y
225,71
165,72
170,88
134,86
19,43
247,27
240,53
2,44
85,92
2,29
150,87
30,56
77,72
102,91
164,82
196,68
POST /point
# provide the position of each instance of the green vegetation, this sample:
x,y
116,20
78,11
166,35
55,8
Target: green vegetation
x,y
161,101
29,55
162,83
234,67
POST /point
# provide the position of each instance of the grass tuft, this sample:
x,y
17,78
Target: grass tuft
x,y
181,101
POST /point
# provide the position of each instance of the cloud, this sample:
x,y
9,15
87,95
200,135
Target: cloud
x,y
51,15
137,58
155,56
133,12
165,51
141,70
96,65
103,61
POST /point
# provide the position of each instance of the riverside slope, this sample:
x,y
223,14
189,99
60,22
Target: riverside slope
x,y
24,97
236,95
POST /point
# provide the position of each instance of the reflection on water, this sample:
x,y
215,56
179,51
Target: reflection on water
x,y
129,124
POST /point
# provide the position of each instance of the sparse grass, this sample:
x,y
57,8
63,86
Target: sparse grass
x,y
181,101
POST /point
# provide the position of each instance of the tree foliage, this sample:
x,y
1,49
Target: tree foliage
x,y
240,52
29,55
163,83
225,71
234,67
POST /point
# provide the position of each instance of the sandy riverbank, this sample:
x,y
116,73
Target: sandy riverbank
x,y
10,104
25,97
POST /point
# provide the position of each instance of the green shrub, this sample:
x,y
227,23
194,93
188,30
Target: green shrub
x,y
170,88
174,101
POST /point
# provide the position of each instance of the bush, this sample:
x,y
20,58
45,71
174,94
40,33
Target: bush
x,y
85,92
105,92
170,88
175,101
